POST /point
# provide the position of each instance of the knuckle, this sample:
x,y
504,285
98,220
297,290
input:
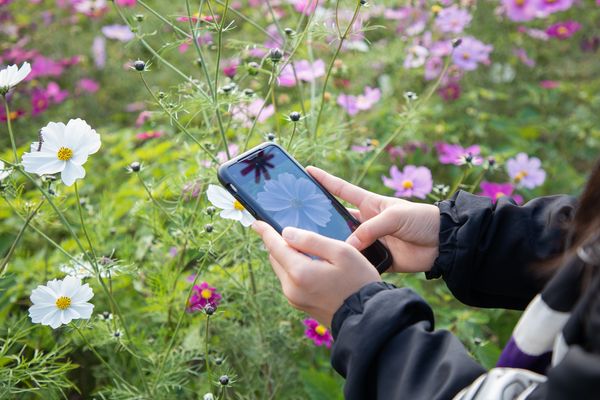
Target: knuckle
x,y
300,276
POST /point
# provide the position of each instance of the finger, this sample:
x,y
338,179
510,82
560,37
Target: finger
x,y
277,246
279,271
355,213
339,187
386,223
314,244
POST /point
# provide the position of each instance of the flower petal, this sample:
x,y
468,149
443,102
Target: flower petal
x,y
219,197
71,173
42,163
84,310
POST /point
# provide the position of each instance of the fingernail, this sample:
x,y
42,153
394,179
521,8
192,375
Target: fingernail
x,y
289,234
353,241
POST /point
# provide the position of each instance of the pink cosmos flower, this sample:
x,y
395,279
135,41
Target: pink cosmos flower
x,y
306,7
197,17
246,113
126,3
496,190
14,114
450,91
548,84
318,333
142,118
433,67
470,53
55,94
415,56
457,155
563,30
234,150
452,20
39,102
202,296
520,10
88,85
521,54
354,104
44,66
121,33
552,6
526,172
411,182
305,70
230,67
149,135
369,145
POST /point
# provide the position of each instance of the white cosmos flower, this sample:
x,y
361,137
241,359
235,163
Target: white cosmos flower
x,y
12,75
60,302
232,209
64,149
4,172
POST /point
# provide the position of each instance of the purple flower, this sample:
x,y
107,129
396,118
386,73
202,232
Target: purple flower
x,y
523,57
118,32
563,30
88,85
552,6
318,333
496,190
305,71
520,10
452,20
39,102
202,296
458,155
246,113
450,92
411,182
433,67
55,94
470,53
526,172
305,6
230,68
234,150
99,51
354,104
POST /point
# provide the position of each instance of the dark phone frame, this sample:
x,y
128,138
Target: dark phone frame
x,y
248,202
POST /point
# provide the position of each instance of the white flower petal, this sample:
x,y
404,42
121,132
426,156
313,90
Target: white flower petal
x,y
219,197
70,286
21,74
53,136
55,284
51,318
68,315
233,214
37,313
71,173
81,137
84,310
83,294
42,163
247,218
42,295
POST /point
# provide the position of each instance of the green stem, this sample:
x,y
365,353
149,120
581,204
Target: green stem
x,y
248,20
154,201
83,228
10,132
163,19
18,238
459,182
332,62
206,355
198,49
292,137
478,180
216,90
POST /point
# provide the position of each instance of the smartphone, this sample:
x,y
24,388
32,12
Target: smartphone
x,y
276,189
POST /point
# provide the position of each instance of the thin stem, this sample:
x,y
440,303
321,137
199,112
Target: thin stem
x,y
198,49
459,182
273,80
10,132
154,201
163,19
216,91
248,20
478,180
206,356
292,136
83,228
332,62
174,119
18,238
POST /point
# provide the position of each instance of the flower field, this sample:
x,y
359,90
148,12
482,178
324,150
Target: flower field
x,y
127,272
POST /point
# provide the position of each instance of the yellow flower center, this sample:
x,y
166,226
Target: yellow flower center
x,y
499,194
206,294
519,177
436,9
407,184
520,3
562,31
238,206
64,154
321,330
63,302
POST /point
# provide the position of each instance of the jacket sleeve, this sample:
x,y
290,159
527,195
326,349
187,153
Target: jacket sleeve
x,y
488,252
386,348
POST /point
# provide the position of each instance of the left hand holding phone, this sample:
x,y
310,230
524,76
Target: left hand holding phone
x,y
315,286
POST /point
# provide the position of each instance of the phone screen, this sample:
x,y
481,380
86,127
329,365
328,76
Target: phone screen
x,y
282,190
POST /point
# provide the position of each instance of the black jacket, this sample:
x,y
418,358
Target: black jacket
x,y
385,342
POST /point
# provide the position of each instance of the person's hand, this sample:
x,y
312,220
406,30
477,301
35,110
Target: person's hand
x,y
318,287
409,230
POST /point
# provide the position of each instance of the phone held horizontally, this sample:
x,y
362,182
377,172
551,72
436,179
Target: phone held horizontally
x,y
276,189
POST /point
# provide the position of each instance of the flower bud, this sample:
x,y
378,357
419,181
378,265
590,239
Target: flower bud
x,y
224,380
208,228
209,309
295,116
270,136
139,65
289,31
139,17
275,55
456,42
210,210
253,68
135,166
248,92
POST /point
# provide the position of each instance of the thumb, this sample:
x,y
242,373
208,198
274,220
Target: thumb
x,y
386,223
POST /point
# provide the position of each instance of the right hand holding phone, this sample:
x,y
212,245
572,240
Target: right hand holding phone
x,y
409,230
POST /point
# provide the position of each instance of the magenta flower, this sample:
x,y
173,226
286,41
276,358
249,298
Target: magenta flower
x,y
234,150
548,84
305,6
149,135
521,54
563,30
470,53
121,33
318,333
354,104
230,68
452,20
39,102
305,70
411,182
520,10
202,296
458,155
88,85
496,190
126,3
55,94
450,92
526,172
552,6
